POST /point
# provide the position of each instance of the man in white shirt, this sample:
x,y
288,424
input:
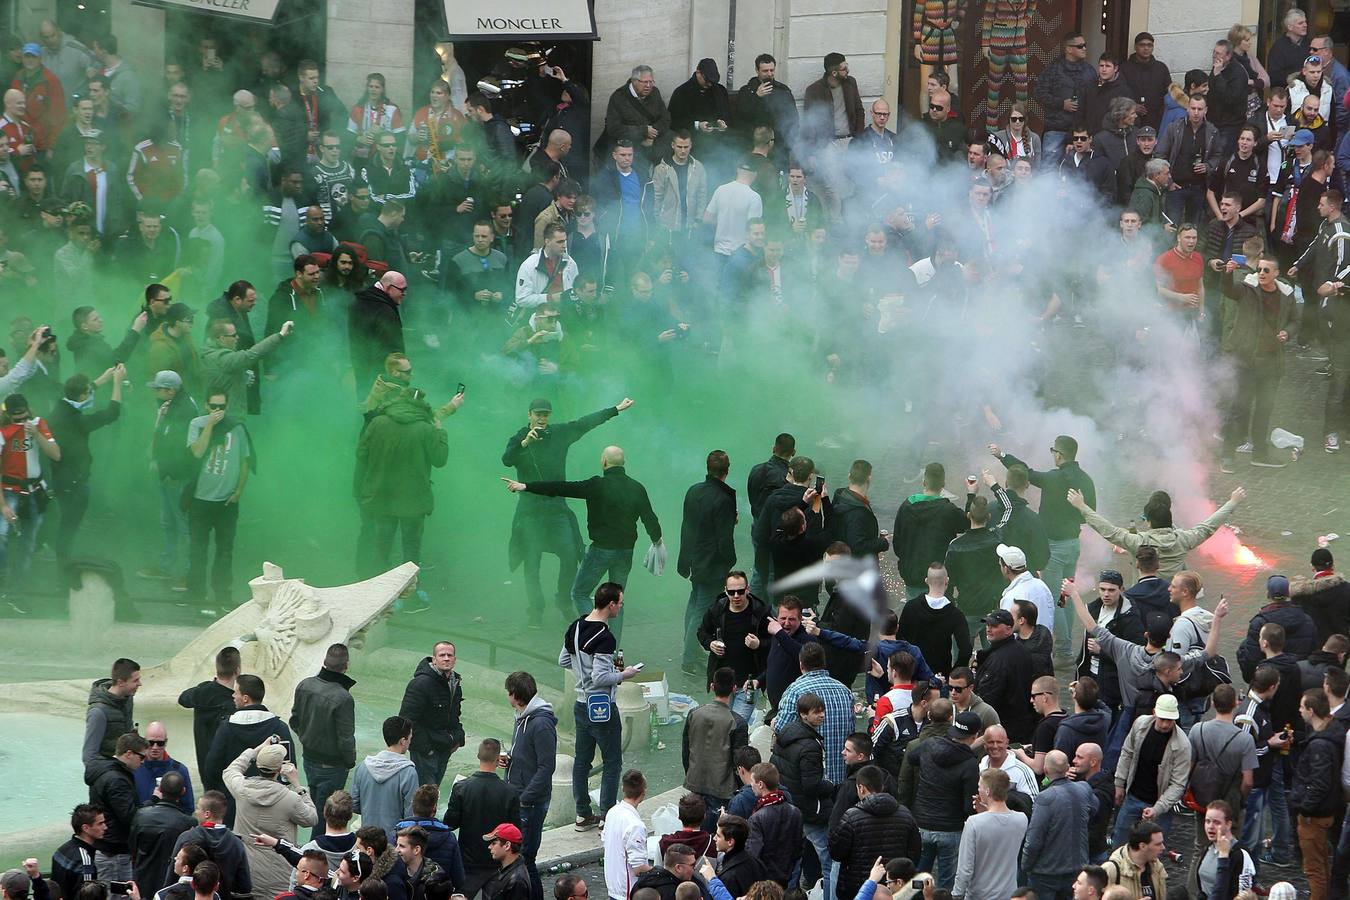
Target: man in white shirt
x,y
997,757
625,838
1022,585
731,208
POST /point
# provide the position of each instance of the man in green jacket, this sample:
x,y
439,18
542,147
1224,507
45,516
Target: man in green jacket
x,y
394,459
1258,310
1147,196
228,370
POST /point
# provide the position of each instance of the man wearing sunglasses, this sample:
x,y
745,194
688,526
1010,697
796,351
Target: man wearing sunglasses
x,y
1058,90
112,788
948,133
157,764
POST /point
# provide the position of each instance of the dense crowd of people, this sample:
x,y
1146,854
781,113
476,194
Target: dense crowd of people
x,y
1011,738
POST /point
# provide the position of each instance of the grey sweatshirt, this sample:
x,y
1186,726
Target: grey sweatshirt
x,y
986,866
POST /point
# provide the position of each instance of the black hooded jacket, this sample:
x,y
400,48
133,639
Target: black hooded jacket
x,y
856,524
800,758
1300,635
1326,600
374,329
1003,676
1315,791
1091,727
226,850
948,774
877,827
708,531
924,526
112,788
432,703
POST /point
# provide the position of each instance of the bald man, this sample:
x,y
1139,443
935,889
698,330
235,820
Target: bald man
x,y
159,763
873,150
17,135
1056,844
1087,768
614,504
375,325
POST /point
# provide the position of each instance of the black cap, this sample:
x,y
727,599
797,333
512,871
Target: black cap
x,y
998,617
707,67
1111,576
1321,558
540,405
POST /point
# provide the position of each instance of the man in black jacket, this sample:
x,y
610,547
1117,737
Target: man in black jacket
x,y
636,113
481,798
112,788
70,428
614,504
538,452
511,880
948,774
801,471
1003,675
707,548
737,869
1313,795
223,846
735,633
155,829
375,325
878,826
976,580
1325,596
775,826
248,726
432,702
764,479
924,525
211,703
529,767
677,867
1148,78
1123,621
73,862
763,100
323,716
854,521
1300,633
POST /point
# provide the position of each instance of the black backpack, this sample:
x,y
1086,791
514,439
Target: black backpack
x,y
1203,679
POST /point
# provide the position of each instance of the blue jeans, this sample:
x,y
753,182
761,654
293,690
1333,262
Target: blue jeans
x,y
532,830
759,580
1186,203
701,597
1052,147
1128,816
713,806
1273,798
322,781
594,565
608,736
1063,563
743,704
939,849
819,837
1116,740
430,764
1052,887
24,533
173,519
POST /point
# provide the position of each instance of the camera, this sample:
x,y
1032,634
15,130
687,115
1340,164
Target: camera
x,y
119,887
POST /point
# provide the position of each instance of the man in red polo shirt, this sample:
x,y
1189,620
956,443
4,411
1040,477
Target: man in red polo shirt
x,y
1179,274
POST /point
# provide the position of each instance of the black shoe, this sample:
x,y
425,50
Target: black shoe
x,y
586,823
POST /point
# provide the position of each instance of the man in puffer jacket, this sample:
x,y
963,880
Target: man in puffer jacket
x,y
1313,794
948,777
800,759
1300,634
1325,596
878,826
1090,722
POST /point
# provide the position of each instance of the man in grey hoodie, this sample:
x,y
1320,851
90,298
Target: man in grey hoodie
x,y
530,765
384,784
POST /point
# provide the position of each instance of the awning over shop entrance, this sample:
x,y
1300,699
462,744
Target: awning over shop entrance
x,y
251,10
513,20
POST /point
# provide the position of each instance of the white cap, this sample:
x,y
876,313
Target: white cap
x,y
1012,557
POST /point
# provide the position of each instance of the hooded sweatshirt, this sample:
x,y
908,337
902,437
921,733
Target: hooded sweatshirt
x,y
226,849
534,751
1190,630
382,790
266,806
395,456
1091,727
588,650
924,526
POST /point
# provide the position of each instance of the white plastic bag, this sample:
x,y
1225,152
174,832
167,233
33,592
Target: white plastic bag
x,y
1283,440
666,820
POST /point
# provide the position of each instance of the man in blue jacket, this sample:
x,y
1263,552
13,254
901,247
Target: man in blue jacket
x,y
530,765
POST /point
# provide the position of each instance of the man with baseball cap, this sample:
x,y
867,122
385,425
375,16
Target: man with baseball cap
x,y
538,452
1024,585
1003,675
19,884
266,804
1300,632
948,775
512,881
1154,766
46,98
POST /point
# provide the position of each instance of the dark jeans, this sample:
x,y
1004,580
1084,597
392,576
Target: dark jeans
x,y
431,765
532,830
384,528
21,538
1336,414
1052,887
204,518
608,737
1187,204
549,534
323,781
1253,401
74,500
598,561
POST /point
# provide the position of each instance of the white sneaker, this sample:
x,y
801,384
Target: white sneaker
x,y
1333,442
1245,448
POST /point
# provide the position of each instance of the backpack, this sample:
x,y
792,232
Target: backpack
x,y
1203,679
1209,781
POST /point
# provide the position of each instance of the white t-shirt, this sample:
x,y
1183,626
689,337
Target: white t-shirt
x,y
732,205
625,848
1028,587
